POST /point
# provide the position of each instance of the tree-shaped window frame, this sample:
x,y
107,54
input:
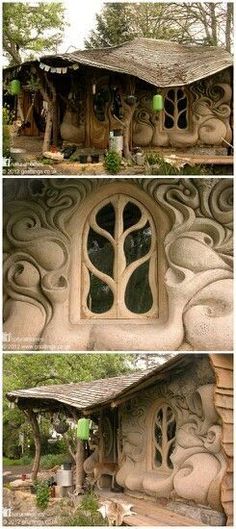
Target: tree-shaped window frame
x,y
117,277
163,432
176,109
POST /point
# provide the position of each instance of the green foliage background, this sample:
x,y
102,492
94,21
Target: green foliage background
x,y
30,370
29,30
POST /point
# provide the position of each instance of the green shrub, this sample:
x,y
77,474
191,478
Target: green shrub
x,y
87,513
165,168
51,460
153,158
25,460
7,120
42,494
112,162
194,170
89,502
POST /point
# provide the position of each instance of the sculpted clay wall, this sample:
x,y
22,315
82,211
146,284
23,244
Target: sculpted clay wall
x,y
205,108
198,114
171,439
49,272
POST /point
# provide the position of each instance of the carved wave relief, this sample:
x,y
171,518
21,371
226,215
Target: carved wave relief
x,y
197,456
197,249
208,123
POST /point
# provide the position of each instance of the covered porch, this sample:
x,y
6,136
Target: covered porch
x,y
122,456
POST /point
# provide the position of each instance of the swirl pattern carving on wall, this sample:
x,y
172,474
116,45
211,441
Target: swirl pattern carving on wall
x,y
198,250
197,457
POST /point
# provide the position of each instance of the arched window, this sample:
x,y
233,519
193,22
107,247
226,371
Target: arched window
x,y
176,109
119,261
164,428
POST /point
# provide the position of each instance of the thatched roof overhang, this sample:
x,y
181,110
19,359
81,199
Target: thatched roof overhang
x,y
158,62
89,397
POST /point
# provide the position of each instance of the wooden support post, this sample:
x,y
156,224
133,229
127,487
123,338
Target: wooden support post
x,y
48,129
55,121
49,94
32,418
88,114
79,468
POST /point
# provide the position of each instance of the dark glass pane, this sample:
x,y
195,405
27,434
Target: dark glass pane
x,y
160,416
171,94
158,434
182,103
137,244
100,296
169,122
182,120
100,252
106,218
169,107
170,451
138,295
180,93
171,430
131,215
158,458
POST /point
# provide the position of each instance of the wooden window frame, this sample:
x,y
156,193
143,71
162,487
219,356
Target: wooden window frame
x,y
122,271
76,226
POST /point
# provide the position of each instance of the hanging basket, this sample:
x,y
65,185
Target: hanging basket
x,y
83,429
158,102
15,87
131,99
61,427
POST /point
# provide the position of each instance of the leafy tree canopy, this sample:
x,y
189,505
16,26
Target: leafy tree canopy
x,y
208,23
29,370
31,29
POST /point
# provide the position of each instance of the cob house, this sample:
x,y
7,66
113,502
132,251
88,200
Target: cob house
x,y
118,264
147,93
163,434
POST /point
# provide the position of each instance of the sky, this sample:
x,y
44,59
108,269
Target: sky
x,y
82,18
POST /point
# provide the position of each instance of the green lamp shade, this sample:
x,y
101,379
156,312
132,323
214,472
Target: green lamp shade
x,y
157,102
15,87
83,429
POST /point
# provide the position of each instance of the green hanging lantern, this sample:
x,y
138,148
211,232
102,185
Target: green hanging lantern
x,y
15,87
83,429
157,102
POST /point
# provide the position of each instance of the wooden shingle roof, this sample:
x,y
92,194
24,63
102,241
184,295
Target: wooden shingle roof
x,y
159,62
86,396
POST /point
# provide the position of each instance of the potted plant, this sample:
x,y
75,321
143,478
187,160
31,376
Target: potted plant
x,y
95,158
83,158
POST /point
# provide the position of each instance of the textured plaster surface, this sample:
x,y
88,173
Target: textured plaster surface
x,y
43,263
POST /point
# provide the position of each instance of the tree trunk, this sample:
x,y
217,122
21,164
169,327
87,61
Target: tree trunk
x,y
55,122
79,470
228,26
48,129
126,138
20,113
32,418
213,25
